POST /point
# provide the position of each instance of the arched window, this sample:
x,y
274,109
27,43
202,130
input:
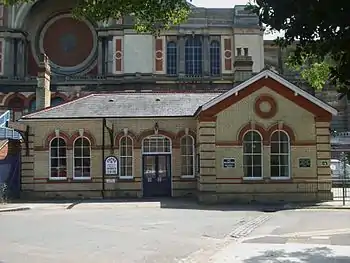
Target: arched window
x,y
58,158
126,157
82,158
193,56
280,155
16,106
187,156
32,105
171,58
56,101
252,155
215,61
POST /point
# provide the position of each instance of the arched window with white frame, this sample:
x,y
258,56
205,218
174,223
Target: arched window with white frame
x,y
187,156
58,158
126,157
280,155
82,158
252,155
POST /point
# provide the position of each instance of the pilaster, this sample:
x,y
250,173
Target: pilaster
x,y
181,56
206,56
207,162
323,148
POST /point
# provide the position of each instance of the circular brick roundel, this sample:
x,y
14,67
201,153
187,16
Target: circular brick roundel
x,y
265,107
68,42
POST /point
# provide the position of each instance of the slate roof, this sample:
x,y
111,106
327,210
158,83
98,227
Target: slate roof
x,y
127,105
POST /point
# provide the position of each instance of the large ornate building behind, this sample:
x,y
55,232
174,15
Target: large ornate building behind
x,y
213,50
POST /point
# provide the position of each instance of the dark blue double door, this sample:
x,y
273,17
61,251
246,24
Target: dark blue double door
x,y
156,175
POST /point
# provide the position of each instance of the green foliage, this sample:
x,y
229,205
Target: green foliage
x,y
150,15
319,29
316,73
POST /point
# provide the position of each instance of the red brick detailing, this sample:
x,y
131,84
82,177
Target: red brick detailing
x,y
16,100
228,53
182,133
121,134
118,54
86,134
255,127
265,99
60,95
82,41
159,54
283,127
276,87
52,135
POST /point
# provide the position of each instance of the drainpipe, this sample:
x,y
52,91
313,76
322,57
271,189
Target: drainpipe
x,y
103,157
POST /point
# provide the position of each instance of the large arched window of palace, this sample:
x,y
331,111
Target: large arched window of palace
x,y
252,155
58,158
193,56
126,157
82,158
187,156
171,58
215,61
16,106
280,155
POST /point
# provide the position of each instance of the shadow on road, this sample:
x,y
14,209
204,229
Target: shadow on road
x,y
172,203
313,255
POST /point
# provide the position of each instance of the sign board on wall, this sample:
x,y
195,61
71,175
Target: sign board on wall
x,y
228,163
111,165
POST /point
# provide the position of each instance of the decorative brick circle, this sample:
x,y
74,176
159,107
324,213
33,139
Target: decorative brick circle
x,y
228,54
70,44
118,55
265,107
159,54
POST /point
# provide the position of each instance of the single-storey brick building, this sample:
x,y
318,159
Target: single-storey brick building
x,y
265,139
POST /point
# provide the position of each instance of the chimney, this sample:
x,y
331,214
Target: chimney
x,y
243,65
43,93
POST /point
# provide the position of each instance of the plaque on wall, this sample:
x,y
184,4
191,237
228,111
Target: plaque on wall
x,y
228,163
111,165
304,162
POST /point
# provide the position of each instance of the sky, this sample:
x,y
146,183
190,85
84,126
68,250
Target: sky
x,y
226,4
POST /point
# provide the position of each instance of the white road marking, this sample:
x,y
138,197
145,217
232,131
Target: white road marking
x,y
320,237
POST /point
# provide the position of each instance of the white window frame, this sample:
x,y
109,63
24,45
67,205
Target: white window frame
x,y
280,154
157,152
121,176
59,157
193,156
252,154
82,158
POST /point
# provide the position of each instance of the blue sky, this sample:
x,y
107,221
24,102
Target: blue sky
x,y
225,4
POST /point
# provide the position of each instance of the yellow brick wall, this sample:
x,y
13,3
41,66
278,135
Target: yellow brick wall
x,y
40,174
231,120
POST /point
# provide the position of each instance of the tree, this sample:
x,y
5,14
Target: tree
x,y
321,29
150,15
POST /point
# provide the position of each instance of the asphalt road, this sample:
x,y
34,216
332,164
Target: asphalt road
x,y
149,235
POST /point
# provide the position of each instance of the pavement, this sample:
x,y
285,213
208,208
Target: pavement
x,y
165,203
195,234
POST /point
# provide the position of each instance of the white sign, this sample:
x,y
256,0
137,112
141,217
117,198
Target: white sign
x,y
111,165
228,163
110,181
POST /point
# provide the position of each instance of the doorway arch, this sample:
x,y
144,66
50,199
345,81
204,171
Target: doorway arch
x,y
156,166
